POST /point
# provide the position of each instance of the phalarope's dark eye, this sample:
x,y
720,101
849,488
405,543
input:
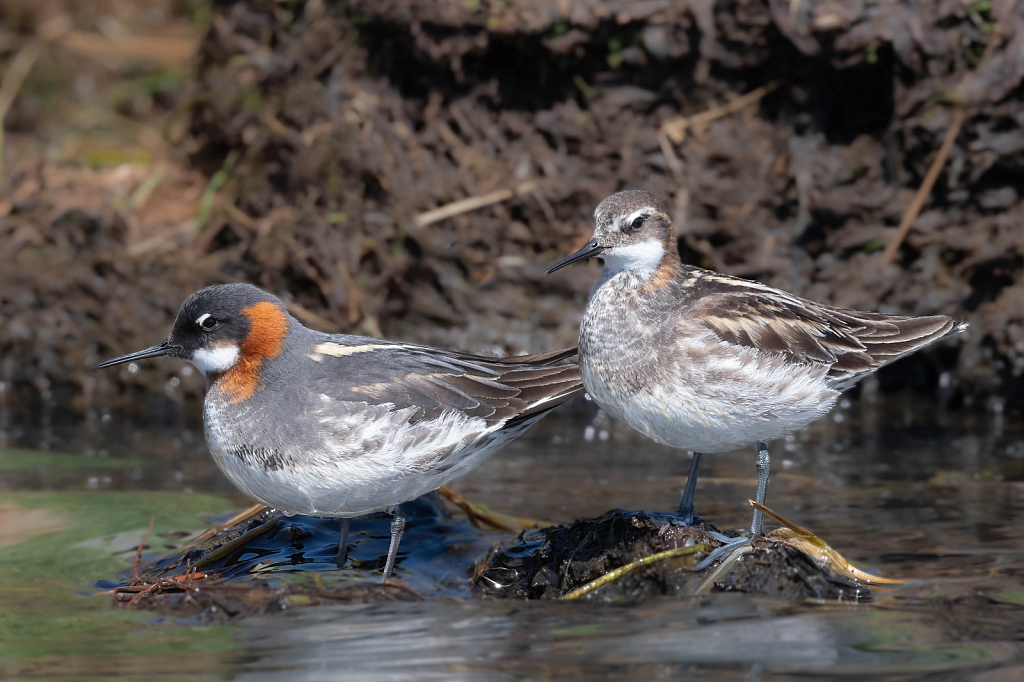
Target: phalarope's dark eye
x,y
207,322
637,223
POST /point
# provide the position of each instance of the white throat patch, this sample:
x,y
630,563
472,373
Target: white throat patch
x,y
215,360
643,258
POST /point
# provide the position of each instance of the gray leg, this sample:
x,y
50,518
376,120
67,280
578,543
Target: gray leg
x,y
687,513
397,528
343,542
764,467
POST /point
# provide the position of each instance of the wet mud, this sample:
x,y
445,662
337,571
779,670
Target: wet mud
x,y
320,149
552,563
263,562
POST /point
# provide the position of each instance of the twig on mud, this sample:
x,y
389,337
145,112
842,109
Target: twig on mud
x,y
171,51
22,65
817,550
473,203
779,518
729,560
138,552
239,216
674,164
239,541
160,585
246,515
481,514
676,127
925,190
996,35
139,595
19,69
393,582
629,568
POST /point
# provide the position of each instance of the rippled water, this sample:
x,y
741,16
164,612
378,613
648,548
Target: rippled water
x,y
899,486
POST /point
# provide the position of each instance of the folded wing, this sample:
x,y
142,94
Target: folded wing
x,y
852,343
432,381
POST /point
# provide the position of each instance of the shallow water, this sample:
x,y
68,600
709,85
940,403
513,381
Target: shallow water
x,y
901,487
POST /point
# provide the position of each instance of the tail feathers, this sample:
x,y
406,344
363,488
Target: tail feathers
x,y
884,339
501,390
541,393
897,337
542,383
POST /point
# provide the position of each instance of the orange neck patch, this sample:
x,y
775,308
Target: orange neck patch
x,y
663,275
268,325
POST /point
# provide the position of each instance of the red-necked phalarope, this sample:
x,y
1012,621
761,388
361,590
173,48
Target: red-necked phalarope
x,y
707,362
341,426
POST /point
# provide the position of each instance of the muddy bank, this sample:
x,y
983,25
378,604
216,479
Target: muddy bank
x,y
317,140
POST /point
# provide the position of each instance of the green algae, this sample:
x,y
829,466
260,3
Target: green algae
x,y
55,623
19,460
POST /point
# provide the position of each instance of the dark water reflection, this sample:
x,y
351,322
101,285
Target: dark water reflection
x,y
734,636
898,485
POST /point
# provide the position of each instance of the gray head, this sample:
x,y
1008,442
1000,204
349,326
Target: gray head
x,y
221,327
632,231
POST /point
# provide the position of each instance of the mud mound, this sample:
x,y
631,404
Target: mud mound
x,y
262,561
553,562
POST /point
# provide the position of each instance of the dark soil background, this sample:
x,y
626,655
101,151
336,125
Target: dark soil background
x,y
154,148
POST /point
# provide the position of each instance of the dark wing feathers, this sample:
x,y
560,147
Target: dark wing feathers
x,y
434,380
549,358
543,388
853,343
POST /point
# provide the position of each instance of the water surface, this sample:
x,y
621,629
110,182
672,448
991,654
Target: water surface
x,y
899,486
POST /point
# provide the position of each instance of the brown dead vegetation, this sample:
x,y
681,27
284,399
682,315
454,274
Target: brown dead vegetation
x,y
411,168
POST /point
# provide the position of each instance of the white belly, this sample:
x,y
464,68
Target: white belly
x,y
736,398
375,468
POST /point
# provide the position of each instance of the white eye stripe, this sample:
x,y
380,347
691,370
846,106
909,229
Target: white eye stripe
x,y
619,221
645,212
202,318
636,214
